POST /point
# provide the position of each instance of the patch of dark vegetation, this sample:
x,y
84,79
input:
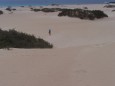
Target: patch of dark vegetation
x,y
13,9
48,10
21,6
10,9
15,39
113,10
78,13
1,12
83,14
85,7
109,6
35,9
45,9
99,14
54,4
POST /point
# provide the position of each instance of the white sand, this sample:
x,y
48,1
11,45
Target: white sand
x,y
83,53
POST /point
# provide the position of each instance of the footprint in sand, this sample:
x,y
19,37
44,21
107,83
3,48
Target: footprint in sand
x,y
81,71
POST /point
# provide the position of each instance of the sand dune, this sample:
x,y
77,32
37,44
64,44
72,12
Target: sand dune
x,y
83,53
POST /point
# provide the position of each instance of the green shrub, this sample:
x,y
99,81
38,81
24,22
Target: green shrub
x,y
35,10
1,12
14,39
8,9
99,13
83,14
46,9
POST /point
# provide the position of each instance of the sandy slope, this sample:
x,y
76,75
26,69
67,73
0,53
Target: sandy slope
x,y
83,53
82,66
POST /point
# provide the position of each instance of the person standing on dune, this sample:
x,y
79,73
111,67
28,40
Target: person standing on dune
x,y
49,32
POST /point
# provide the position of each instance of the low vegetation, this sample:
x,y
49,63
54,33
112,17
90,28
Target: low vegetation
x,y
35,10
113,10
1,12
10,9
109,6
15,39
99,14
45,9
83,14
78,13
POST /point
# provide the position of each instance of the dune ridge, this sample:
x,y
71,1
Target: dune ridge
x,y
83,53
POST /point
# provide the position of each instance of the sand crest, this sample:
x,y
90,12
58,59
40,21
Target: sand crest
x,y
83,53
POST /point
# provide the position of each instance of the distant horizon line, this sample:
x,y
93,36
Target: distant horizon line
x,y
17,4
